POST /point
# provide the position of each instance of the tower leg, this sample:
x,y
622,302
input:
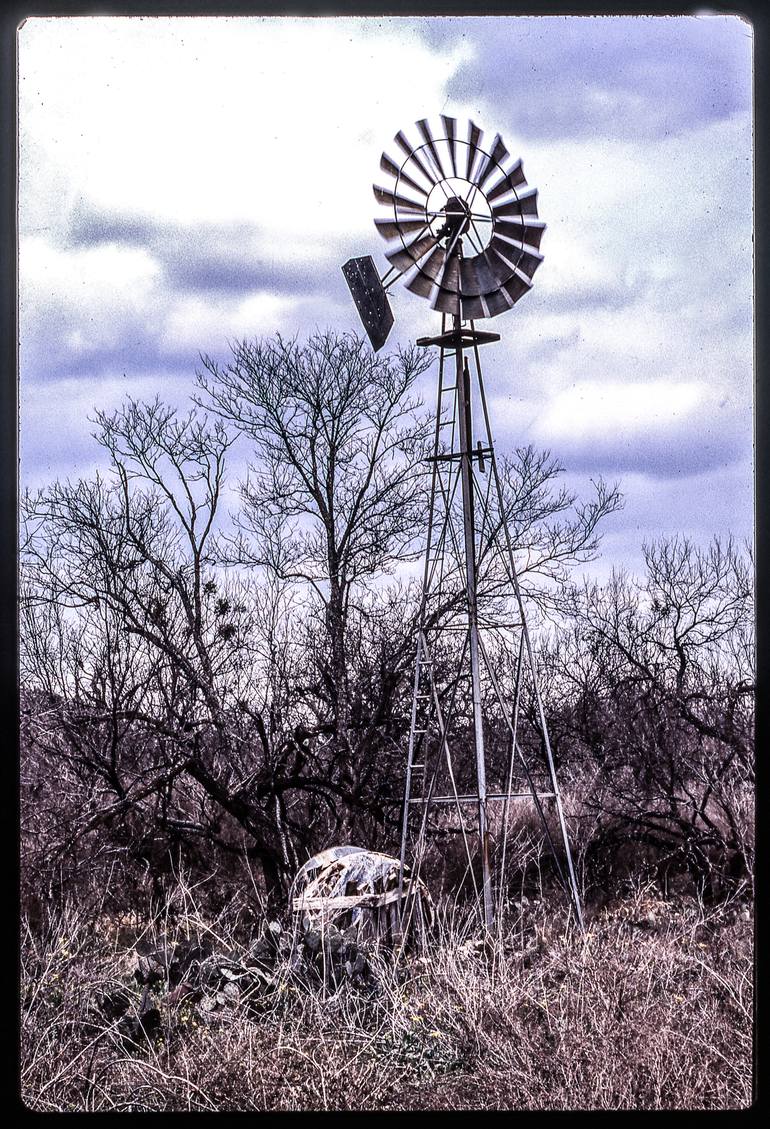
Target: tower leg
x,y
469,539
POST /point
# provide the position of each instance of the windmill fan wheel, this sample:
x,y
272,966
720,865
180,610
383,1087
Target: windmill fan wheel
x,y
461,221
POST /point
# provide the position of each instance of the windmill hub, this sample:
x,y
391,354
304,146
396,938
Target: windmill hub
x,y
458,219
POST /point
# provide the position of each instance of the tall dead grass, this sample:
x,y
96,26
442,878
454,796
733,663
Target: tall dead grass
x,y
652,1008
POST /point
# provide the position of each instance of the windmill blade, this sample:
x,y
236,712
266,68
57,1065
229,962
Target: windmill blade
x,y
390,166
521,229
450,127
424,129
492,161
447,301
516,288
529,260
509,182
388,229
476,276
516,272
524,204
503,231
472,308
514,264
496,302
474,137
405,146
433,264
469,280
530,264
407,256
501,270
511,255
424,280
485,273
450,276
421,284
514,237
391,199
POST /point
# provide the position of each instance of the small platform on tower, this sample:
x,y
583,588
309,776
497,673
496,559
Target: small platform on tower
x,y
463,338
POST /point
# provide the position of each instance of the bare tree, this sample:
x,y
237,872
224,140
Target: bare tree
x,y
552,531
132,558
656,683
335,497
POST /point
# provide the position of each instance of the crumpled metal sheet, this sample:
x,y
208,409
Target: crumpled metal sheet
x,y
346,880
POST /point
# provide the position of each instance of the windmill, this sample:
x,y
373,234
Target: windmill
x,y
462,230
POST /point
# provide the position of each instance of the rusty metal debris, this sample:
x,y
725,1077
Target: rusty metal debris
x,y
350,887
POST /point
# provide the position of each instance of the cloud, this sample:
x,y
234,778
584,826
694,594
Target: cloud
x,y
192,323
609,77
661,428
80,305
56,438
201,257
266,121
230,161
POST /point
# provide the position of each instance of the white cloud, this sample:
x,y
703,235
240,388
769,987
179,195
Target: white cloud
x,y
193,323
75,303
129,273
274,120
590,410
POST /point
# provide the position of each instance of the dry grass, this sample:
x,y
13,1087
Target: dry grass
x,y
651,1009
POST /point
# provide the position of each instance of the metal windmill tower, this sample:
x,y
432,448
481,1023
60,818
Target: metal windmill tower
x,y
462,230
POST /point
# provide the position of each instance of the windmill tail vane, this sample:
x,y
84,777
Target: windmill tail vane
x,y
461,229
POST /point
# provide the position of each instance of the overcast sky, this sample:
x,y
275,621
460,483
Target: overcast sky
x,y
189,181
